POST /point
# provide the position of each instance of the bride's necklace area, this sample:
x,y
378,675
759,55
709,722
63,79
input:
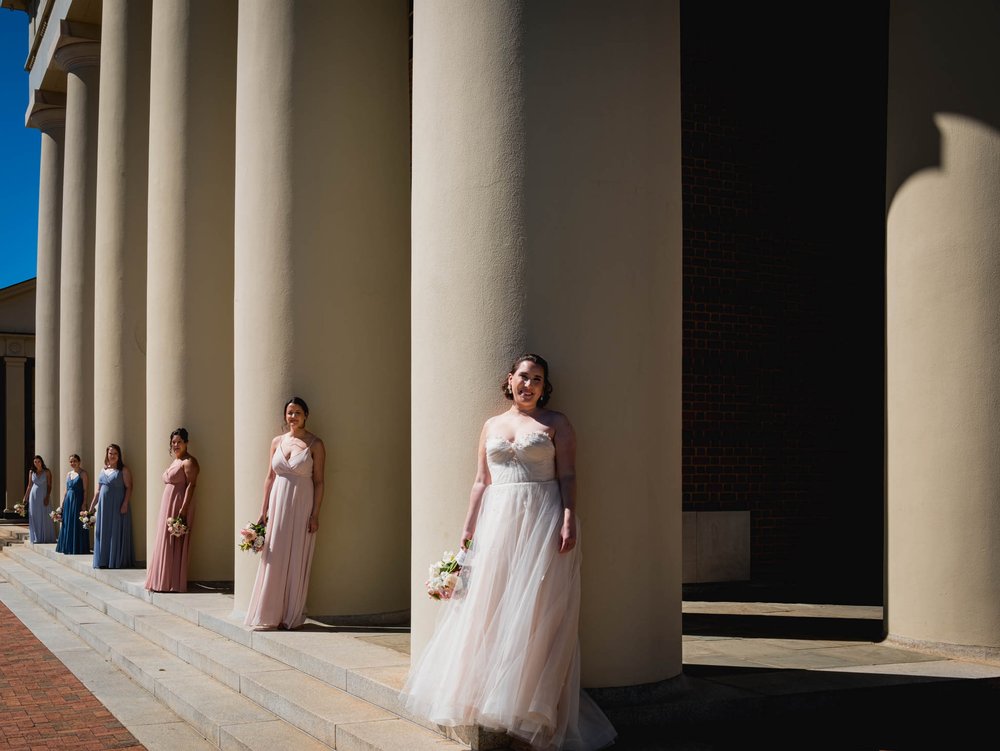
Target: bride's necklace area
x,y
532,413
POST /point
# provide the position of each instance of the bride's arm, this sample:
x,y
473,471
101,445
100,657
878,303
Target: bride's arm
x,y
565,443
479,486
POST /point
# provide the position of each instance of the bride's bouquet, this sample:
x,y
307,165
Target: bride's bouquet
x,y
56,515
21,509
87,519
444,579
177,526
252,537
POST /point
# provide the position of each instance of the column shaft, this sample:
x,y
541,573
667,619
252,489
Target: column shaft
x,y
547,217
50,185
76,300
120,245
189,313
942,319
321,284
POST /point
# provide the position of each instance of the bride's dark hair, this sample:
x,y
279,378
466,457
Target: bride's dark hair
x,y
538,360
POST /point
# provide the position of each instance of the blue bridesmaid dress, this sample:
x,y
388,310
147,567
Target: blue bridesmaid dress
x,y
113,534
73,538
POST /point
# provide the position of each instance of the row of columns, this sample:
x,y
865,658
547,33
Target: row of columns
x,y
235,228
261,193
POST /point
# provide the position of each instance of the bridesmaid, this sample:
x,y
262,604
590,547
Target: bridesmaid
x,y
41,528
168,566
73,538
293,493
113,534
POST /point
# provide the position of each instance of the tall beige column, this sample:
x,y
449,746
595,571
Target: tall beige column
x,y
322,283
189,306
120,247
943,327
47,112
17,469
547,217
78,54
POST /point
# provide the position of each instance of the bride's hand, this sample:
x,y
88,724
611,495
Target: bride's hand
x,y
567,536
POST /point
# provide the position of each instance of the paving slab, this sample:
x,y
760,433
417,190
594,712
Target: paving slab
x,y
308,703
207,705
387,735
268,736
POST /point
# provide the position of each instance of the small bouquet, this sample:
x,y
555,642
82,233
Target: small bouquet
x,y
56,515
252,537
87,519
21,508
444,579
177,526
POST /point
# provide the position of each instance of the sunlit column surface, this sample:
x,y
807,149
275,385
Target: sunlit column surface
x,y
321,285
79,56
189,313
120,246
547,216
943,327
47,112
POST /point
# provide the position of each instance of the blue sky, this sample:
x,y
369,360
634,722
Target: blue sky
x,y
18,156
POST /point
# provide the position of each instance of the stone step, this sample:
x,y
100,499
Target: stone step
x,y
12,534
338,688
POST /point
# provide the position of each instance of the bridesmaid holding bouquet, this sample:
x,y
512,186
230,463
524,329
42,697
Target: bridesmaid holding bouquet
x,y
73,538
113,533
168,566
293,493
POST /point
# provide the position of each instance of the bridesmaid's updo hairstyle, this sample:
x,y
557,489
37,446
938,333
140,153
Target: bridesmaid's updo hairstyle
x,y
180,433
121,459
538,360
75,456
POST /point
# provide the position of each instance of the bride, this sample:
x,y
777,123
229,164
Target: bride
x,y
505,652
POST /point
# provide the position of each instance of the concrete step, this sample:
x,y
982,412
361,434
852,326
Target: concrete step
x,y
186,649
12,534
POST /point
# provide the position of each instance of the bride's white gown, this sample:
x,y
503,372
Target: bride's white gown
x,y
505,652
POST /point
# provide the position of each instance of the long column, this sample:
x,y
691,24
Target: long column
x,y
48,113
189,304
547,217
943,315
322,286
17,469
80,59
120,245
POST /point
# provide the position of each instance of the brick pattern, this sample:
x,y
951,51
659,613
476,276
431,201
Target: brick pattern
x,y
44,705
783,280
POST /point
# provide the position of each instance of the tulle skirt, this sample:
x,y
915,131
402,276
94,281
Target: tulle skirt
x,y
505,652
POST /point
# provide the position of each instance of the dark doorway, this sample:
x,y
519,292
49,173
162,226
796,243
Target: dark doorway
x,y
784,257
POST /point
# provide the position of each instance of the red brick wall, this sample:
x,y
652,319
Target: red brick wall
x,y
783,186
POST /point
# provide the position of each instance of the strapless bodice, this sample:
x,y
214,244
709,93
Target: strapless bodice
x,y
528,458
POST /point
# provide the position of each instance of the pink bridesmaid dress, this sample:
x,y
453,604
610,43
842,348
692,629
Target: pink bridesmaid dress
x,y
168,566
279,592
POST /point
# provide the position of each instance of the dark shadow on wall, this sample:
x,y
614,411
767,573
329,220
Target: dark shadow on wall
x,y
942,59
784,248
